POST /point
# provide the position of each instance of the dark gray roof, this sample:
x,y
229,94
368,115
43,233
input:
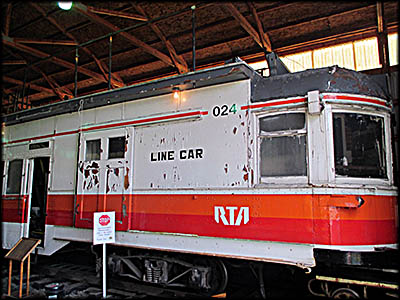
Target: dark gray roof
x,y
332,79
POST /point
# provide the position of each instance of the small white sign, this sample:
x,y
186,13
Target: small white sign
x,y
104,227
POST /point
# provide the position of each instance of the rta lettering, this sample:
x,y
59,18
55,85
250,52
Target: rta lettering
x,y
231,215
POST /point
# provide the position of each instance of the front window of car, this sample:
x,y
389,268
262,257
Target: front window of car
x,y
359,145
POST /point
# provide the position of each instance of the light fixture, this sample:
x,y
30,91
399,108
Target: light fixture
x,y
176,92
65,5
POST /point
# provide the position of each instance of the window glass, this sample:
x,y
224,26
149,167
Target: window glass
x,y
116,147
282,122
359,145
283,156
92,150
283,145
393,40
14,177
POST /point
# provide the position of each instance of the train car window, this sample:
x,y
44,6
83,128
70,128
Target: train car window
x,y
14,177
283,145
359,145
116,147
93,150
282,122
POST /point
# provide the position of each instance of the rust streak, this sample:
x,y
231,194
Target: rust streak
x,y
246,177
126,179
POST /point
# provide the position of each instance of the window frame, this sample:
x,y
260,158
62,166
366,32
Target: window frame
x,y
340,179
86,149
303,179
7,172
108,146
104,136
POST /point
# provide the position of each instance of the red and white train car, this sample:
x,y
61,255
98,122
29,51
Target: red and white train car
x,y
294,169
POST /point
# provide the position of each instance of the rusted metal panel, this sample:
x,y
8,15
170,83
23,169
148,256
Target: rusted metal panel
x,y
331,79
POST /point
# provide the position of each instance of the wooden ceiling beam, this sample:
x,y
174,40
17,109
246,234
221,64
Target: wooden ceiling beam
x,y
243,22
55,87
116,81
11,43
53,84
265,38
45,42
294,25
115,13
8,19
13,62
179,62
32,85
145,47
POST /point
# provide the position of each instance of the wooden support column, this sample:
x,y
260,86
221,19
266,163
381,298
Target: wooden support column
x,y
383,45
21,277
9,277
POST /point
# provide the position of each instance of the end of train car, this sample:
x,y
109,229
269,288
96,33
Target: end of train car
x,y
215,169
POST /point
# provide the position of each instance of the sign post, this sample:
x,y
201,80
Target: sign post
x,y
103,233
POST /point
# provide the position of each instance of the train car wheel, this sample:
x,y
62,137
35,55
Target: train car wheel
x,y
345,293
218,276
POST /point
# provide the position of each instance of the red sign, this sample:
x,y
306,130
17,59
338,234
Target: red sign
x,y
104,220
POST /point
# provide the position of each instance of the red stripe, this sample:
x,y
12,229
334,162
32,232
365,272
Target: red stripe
x,y
147,120
283,102
274,229
14,197
15,208
85,220
271,229
60,218
355,98
11,215
154,119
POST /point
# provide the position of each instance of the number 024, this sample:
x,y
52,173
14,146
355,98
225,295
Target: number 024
x,y
224,110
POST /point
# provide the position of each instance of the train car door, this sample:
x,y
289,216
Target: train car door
x,y
15,200
38,197
104,176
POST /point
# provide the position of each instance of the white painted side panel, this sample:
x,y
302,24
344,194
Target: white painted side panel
x,y
209,152
67,122
15,151
64,163
11,233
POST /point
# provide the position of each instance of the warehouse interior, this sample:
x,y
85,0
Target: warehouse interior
x,y
59,62
51,54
